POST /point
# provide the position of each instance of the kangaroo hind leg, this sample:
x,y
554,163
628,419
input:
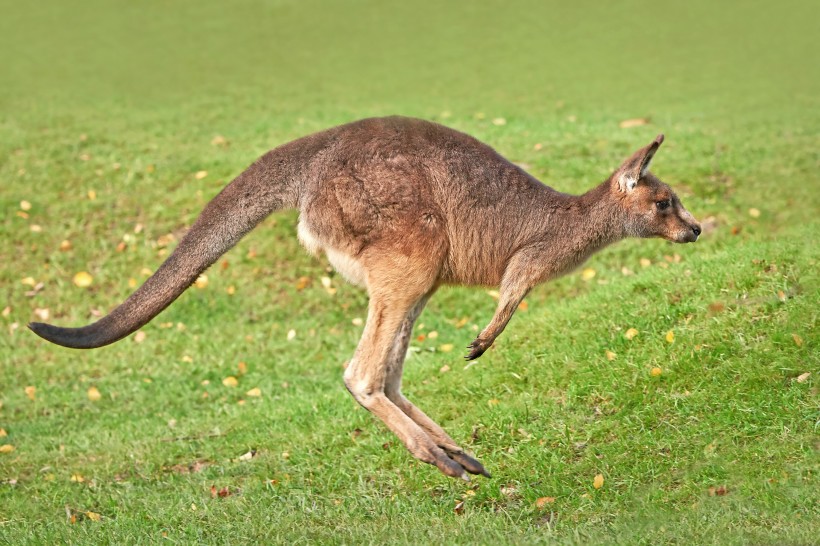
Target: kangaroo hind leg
x,y
393,391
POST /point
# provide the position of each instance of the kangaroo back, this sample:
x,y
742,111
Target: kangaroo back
x,y
272,183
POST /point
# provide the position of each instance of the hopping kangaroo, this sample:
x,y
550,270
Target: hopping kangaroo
x,y
400,207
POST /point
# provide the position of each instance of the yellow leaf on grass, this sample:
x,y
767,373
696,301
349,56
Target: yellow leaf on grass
x,y
25,205
492,402
754,213
200,175
139,337
797,340
631,333
31,392
446,348
655,372
3,433
541,502
800,378
230,381
83,279
93,516
598,482
201,281
94,394
634,122
670,336
6,448
610,355
255,392
587,274
242,367
77,478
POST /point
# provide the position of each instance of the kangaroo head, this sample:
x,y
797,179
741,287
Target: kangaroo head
x,y
649,207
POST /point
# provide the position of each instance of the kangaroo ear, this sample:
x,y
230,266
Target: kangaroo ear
x,y
635,167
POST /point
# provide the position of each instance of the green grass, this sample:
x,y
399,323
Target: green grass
x,y
125,101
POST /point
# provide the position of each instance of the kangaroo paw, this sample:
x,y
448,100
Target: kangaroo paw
x,y
477,348
471,465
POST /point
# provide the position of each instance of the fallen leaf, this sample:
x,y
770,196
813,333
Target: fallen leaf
x,y
670,336
631,333
523,306
224,492
36,228
25,205
230,381
800,378
718,491
492,402
781,296
302,283
139,337
459,508
6,448
92,195
31,392
797,340
633,122
645,262
598,482
291,334
6,311
42,313
754,213
444,369
94,394
587,274
200,175
28,281
3,433
357,321
201,281
432,335
610,355
219,140
499,121
255,392
541,502
93,516
77,478
446,348
716,307
655,372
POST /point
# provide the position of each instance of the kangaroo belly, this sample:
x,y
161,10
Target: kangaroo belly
x,y
346,264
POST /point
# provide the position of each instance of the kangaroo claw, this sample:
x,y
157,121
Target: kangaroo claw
x,y
477,349
470,465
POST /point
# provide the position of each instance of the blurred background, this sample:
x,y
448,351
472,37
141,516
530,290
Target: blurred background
x,y
277,58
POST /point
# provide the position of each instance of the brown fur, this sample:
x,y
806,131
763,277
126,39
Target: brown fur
x,y
402,206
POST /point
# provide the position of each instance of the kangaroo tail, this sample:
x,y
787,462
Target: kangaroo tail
x,y
270,184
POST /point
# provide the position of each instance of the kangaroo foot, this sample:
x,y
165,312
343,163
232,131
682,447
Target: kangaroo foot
x,y
477,348
471,465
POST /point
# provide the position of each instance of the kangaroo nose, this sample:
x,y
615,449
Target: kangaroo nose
x,y
696,230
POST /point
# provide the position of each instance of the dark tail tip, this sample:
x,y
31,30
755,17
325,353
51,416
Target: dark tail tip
x,y
75,338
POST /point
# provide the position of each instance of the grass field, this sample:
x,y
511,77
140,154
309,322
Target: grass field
x,y
119,121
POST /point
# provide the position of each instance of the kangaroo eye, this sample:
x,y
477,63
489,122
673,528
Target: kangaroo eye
x,y
663,205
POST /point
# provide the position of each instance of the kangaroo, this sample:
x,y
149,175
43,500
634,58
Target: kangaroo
x,y
400,207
